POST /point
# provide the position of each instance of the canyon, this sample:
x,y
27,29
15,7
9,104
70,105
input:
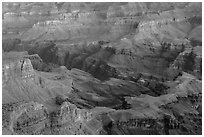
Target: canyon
x,y
102,68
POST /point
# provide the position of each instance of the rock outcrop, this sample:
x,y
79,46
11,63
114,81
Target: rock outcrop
x,y
29,118
102,68
20,68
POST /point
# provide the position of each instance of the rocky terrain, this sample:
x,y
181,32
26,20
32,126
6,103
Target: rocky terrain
x,y
102,68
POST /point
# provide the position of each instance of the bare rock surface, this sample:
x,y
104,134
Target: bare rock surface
x,y
102,68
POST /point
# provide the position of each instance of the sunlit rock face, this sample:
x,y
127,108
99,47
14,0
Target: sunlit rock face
x,y
20,68
85,68
72,121
156,32
33,116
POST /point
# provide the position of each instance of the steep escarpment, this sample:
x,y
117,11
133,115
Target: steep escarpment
x,y
190,61
159,115
22,83
162,115
66,111
135,35
102,68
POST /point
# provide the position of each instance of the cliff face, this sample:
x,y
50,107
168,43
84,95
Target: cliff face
x,y
73,121
65,112
21,68
136,32
189,61
102,68
29,118
33,118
